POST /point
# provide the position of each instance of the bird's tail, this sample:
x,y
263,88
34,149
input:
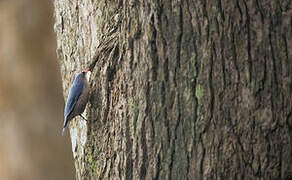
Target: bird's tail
x,y
63,131
65,126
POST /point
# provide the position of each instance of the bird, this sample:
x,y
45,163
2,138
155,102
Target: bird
x,y
77,99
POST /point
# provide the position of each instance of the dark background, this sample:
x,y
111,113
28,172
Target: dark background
x,y
31,99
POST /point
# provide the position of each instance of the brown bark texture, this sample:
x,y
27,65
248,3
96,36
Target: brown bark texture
x,y
182,89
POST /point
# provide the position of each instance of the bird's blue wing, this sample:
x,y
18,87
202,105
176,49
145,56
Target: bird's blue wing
x,y
74,94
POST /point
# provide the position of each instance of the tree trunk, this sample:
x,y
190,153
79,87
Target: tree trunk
x,y
181,89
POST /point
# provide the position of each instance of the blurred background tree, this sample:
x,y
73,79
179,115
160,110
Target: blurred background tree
x,y
31,101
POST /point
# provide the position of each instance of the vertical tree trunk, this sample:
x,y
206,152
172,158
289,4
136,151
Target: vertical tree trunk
x,y
182,89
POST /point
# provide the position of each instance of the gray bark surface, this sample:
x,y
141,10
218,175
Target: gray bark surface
x,y
181,89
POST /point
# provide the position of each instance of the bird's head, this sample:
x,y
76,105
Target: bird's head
x,y
84,74
86,71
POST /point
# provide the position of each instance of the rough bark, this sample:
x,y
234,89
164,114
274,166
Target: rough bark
x,y
181,89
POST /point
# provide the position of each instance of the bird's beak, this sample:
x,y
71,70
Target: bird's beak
x,y
87,69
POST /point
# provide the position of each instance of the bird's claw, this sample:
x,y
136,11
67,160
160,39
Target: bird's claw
x,y
83,117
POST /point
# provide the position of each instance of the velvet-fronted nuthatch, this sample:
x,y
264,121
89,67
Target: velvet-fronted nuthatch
x,y
77,99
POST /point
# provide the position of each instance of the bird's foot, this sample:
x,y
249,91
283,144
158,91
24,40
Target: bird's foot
x,y
83,117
